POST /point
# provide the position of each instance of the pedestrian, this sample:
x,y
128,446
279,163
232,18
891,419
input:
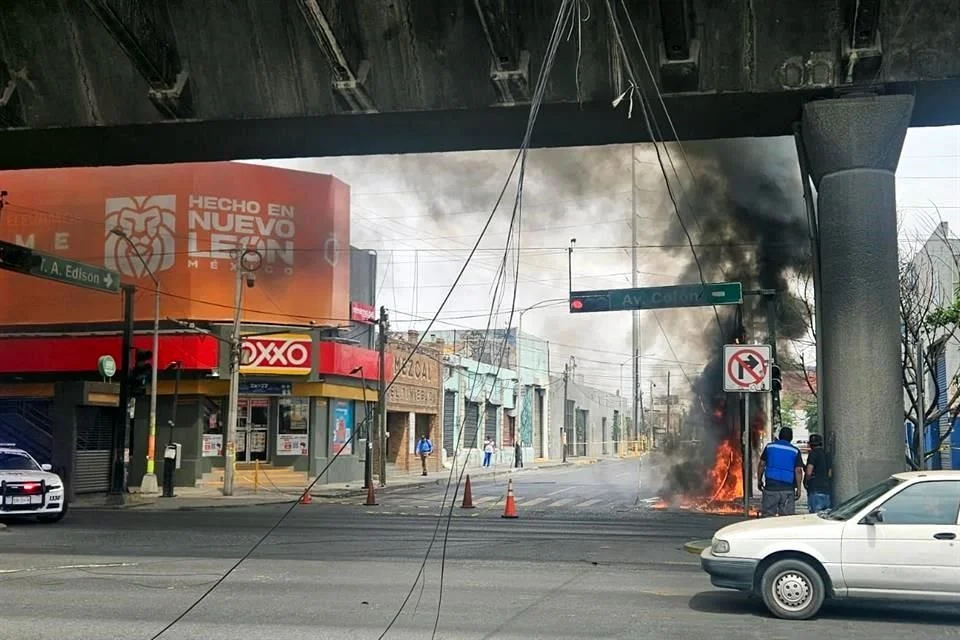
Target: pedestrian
x,y
424,448
518,454
487,452
780,476
819,473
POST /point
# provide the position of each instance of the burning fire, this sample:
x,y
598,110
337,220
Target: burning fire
x,y
722,490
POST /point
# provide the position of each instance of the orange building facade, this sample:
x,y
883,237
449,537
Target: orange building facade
x,y
181,224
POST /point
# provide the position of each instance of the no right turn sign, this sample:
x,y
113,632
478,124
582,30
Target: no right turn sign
x,y
746,368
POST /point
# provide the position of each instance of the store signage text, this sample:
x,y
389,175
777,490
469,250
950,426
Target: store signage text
x,y
360,312
266,388
289,354
413,398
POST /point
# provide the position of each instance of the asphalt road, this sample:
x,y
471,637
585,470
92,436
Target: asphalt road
x,y
340,571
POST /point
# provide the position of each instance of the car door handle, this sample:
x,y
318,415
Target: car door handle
x,y
945,536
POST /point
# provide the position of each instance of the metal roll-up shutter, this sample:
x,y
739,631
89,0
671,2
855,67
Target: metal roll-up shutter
x,y
941,460
490,428
449,421
91,472
471,424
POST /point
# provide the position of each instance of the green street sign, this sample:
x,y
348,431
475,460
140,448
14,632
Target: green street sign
x,y
76,273
672,297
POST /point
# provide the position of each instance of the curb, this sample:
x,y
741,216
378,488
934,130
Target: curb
x,y
696,547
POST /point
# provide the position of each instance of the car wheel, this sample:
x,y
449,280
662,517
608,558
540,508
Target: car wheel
x,y
792,589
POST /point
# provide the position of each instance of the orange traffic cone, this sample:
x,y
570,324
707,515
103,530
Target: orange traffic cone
x,y
467,496
371,497
305,498
510,508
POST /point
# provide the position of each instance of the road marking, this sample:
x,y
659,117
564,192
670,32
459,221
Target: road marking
x,y
559,491
562,502
62,567
531,503
590,502
485,500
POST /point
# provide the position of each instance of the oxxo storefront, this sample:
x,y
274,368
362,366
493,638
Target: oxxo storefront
x,y
301,399
300,403
414,407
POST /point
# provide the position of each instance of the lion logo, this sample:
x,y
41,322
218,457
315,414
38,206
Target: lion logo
x,y
149,223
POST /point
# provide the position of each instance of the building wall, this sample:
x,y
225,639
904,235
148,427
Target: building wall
x,y
363,287
596,403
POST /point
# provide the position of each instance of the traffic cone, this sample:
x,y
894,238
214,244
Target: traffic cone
x,y
371,497
510,508
467,496
305,498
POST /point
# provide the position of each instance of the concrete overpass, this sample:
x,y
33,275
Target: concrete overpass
x,y
89,82
128,81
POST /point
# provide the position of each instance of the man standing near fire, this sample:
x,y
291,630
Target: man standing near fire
x,y
780,476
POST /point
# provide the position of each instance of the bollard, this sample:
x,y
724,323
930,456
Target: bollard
x,y
256,476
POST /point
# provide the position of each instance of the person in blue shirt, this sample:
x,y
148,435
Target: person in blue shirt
x,y
424,448
780,476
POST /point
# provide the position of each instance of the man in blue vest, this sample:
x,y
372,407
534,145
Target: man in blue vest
x,y
780,476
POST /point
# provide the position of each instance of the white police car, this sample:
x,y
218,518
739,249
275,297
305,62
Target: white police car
x,y
28,488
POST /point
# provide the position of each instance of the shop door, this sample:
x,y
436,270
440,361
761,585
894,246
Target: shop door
x,y
253,422
449,420
92,466
490,430
471,424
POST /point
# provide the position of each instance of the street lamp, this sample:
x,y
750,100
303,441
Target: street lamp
x,y
149,483
536,305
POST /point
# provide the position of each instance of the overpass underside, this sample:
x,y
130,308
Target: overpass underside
x,y
126,81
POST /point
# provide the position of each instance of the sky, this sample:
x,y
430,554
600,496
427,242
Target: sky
x,y
422,213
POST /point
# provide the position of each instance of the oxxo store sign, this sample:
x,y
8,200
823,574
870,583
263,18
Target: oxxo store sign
x,y
288,354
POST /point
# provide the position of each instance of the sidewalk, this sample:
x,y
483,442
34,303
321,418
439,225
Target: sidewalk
x,y
186,498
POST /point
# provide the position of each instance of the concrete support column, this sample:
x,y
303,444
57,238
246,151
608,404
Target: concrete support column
x,y
853,146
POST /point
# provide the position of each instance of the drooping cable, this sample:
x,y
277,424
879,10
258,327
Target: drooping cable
x,y
563,16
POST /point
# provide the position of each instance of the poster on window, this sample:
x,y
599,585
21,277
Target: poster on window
x,y
292,444
342,427
212,445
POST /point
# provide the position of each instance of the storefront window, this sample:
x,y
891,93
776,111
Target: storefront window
x,y
292,436
212,415
342,431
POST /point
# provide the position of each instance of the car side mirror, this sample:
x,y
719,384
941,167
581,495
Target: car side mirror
x,y
46,466
874,517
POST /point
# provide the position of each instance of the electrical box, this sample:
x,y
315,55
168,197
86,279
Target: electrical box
x,y
173,452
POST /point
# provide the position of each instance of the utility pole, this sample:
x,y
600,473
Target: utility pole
x,y
383,325
650,408
121,426
669,426
149,483
246,262
566,395
635,351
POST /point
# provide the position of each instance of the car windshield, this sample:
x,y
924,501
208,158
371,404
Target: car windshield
x,y
848,509
17,462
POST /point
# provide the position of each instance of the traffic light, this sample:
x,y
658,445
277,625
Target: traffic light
x,y
589,303
141,372
775,381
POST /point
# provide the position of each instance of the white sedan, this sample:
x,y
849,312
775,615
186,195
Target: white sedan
x,y
28,488
898,540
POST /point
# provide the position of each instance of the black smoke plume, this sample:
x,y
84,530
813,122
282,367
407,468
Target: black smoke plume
x,y
747,220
